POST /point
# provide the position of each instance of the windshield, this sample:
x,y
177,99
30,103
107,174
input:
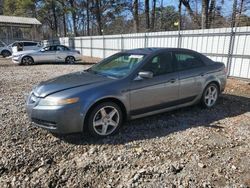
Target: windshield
x,y
118,66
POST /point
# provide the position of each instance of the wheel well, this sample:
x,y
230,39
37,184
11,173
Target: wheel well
x,y
27,56
110,99
5,51
215,82
70,56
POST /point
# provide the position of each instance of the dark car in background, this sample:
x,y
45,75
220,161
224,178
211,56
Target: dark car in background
x,y
127,85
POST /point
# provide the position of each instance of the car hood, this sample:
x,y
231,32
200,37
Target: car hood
x,y
68,81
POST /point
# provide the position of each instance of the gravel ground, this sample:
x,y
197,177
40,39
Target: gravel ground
x,y
190,147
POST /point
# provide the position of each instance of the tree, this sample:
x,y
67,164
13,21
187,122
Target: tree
x,y
153,15
147,14
136,15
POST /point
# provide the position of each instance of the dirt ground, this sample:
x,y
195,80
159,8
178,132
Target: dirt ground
x,y
190,147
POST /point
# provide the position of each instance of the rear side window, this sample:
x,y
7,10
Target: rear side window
x,y
187,61
30,43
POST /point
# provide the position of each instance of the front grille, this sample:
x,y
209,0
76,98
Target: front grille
x,y
49,124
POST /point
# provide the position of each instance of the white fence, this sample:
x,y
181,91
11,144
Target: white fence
x,y
231,46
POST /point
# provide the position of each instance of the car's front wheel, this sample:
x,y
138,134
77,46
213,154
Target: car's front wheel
x,y
210,96
70,60
105,119
27,60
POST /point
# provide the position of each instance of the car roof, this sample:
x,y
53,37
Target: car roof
x,y
57,45
147,51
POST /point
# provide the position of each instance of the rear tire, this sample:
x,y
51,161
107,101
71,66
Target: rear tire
x,y
70,60
210,96
6,53
27,60
105,119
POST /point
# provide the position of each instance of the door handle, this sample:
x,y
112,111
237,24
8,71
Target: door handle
x,y
202,74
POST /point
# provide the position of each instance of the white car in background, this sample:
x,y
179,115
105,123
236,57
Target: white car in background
x,y
48,54
8,50
5,51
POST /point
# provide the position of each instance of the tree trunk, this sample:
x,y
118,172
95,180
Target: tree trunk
x,y
204,14
147,14
153,15
179,16
162,9
136,16
190,11
87,8
73,12
55,28
98,17
64,25
211,13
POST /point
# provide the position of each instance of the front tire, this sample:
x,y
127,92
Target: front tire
x,y
210,96
27,60
105,119
70,60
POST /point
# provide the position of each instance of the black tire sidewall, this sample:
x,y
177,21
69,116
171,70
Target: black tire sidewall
x,y
66,60
203,103
95,110
27,57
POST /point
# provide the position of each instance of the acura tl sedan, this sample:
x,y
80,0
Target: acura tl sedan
x,y
124,86
54,53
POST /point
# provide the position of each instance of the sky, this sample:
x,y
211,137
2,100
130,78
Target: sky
x,y
226,8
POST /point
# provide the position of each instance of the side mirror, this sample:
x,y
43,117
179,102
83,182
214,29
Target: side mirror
x,y
144,75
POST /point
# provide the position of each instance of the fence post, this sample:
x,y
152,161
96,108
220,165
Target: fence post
x,y
179,39
145,41
232,39
81,46
103,46
122,44
91,53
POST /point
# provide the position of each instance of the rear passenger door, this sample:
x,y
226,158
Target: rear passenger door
x,y
190,68
61,53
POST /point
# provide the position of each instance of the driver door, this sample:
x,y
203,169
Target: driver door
x,y
155,93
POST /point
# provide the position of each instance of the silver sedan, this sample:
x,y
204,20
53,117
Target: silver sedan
x,y
54,53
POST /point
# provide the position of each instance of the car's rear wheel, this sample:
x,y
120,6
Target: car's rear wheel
x,y
6,53
105,119
70,60
27,60
210,96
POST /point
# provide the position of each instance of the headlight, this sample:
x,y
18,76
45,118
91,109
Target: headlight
x,y
50,101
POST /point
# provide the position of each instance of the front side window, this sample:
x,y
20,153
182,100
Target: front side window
x,y
160,64
119,65
187,61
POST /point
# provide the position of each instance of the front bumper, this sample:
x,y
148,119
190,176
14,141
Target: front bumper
x,y
57,119
16,61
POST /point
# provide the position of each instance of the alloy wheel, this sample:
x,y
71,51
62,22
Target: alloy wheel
x,y
211,95
27,61
70,60
106,120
